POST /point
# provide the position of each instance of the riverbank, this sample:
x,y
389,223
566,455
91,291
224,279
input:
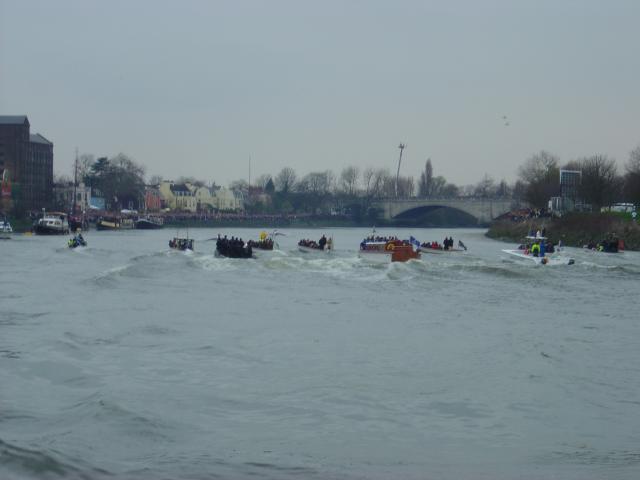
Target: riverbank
x,y
575,230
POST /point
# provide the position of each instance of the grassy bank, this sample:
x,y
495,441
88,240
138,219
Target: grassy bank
x,y
574,230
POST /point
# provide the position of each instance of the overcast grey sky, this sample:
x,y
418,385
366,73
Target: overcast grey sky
x,y
196,87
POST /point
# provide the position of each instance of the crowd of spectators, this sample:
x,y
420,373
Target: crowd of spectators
x,y
525,214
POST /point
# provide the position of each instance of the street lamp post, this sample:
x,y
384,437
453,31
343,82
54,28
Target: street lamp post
x,y
401,147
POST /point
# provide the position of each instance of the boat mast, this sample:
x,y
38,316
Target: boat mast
x,y
401,147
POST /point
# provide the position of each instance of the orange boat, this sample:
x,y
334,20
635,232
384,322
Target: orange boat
x,y
388,250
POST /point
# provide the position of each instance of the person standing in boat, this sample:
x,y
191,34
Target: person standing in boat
x,y
535,249
322,242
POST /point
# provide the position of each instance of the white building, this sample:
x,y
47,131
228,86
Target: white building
x,y
63,197
219,199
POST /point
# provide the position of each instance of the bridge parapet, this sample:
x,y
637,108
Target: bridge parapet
x,y
483,209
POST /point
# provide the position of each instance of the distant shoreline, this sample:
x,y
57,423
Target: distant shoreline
x,y
24,226
575,230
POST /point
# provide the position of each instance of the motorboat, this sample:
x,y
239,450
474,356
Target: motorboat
x,y
52,223
149,223
537,249
388,250
612,244
447,246
182,244
427,248
5,230
265,242
323,245
114,223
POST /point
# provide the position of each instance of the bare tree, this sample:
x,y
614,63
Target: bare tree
x,y
406,187
503,190
600,183
85,161
240,185
540,174
317,183
518,190
349,180
425,184
285,180
450,190
155,180
62,179
485,187
367,180
374,182
632,177
437,186
263,180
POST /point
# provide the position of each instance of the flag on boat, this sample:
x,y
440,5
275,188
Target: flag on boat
x,y
414,241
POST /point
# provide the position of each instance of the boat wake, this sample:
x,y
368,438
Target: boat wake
x,y
17,463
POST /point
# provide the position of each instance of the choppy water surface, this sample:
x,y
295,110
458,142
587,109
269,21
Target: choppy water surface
x,y
127,360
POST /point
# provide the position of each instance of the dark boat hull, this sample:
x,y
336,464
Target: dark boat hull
x,y
233,253
42,230
147,225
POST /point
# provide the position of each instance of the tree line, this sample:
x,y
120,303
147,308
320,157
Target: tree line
x,y
121,182
601,183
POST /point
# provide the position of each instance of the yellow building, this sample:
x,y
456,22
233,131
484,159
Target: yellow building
x,y
178,197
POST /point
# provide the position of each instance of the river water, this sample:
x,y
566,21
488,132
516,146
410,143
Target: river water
x,y
127,360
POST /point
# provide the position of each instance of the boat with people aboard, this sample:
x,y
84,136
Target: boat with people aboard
x,y
51,223
611,244
388,249
149,223
447,246
5,229
324,244
265,242
538,249
77,241
182,244
233,248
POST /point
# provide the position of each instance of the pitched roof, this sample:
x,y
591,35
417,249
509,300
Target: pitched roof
x,y
179,187
37,138
13,119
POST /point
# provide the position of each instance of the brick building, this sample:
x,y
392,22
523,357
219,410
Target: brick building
x,y
26,165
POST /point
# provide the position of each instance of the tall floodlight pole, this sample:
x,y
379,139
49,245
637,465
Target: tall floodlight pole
x,y
75,182
401,147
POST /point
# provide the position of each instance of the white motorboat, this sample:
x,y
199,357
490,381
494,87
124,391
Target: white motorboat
x,y
534,250
440,251
52,223
5,230
324,245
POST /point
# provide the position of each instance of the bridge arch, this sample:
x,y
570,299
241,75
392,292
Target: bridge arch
x,y
437,215
482,209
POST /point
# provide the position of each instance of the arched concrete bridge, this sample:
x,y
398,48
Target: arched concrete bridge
x,y
483,209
